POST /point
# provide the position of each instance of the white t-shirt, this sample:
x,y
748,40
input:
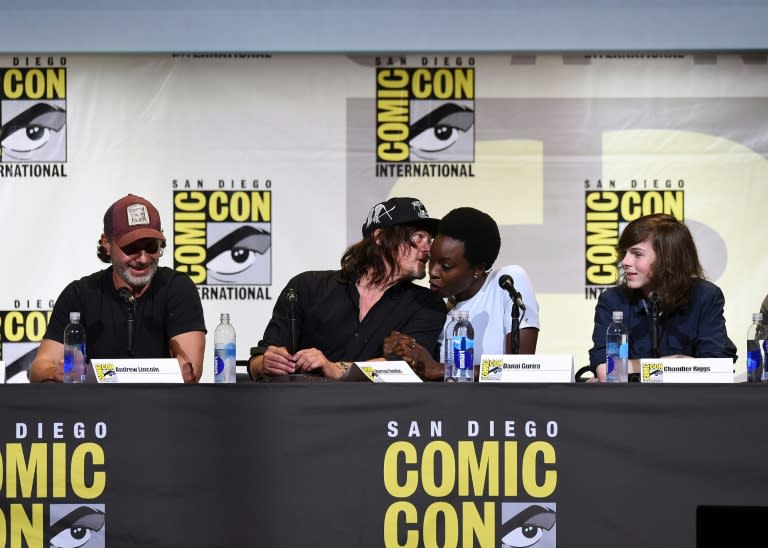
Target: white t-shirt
x,y
490,312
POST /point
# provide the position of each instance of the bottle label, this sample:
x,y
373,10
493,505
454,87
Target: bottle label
x,y
611,350
463,353
755,371
222,356
74,358
624,351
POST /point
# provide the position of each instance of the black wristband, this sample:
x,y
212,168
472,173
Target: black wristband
x,y
257,351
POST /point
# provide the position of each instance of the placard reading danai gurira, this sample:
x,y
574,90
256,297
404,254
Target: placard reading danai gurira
x,y
526,368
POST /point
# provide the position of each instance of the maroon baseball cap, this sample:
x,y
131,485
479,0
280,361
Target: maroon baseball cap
x,y
132,218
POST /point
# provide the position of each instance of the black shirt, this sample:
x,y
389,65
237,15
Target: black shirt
x,y
327,312
169,307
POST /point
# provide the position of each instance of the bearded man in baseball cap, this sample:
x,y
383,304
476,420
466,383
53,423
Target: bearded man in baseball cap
x,y
134,308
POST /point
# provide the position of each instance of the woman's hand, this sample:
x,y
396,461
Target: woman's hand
x,y
407,349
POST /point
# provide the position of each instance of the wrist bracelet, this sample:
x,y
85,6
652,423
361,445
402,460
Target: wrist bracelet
x,y
343,366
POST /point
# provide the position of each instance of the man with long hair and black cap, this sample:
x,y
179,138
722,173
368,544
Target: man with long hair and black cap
x,y
341,316
167,313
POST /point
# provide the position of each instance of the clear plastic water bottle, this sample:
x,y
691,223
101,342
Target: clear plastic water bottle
x,y
755,342
765,355
617,349
448,347
74,350
463,349
225,352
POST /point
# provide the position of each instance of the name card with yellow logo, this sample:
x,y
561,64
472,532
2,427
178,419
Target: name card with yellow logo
x,y
124,371
686,370
526,368
394,371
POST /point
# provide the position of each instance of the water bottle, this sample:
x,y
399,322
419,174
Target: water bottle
x,y
74,350
448,347
617,349
755,342
463,349
225,352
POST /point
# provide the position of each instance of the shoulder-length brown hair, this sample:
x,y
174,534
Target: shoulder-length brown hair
x,y
379,260
677,263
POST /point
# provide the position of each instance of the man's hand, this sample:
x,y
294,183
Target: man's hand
x,y
188,373
278,361
311,360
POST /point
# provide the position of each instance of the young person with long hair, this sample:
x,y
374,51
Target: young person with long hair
x,y
658,255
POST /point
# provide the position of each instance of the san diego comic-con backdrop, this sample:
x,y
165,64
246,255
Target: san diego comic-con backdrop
x,y
263,166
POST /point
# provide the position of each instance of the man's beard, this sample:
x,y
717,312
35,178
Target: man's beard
x,y
136,281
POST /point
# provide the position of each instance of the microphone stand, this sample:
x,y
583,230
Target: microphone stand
x,y
515,327
654,330
131,320
128,298
507,283
291,296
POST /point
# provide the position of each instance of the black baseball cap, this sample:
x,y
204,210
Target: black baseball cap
x,y
399,211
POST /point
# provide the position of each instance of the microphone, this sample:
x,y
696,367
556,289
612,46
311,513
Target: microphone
x,y
655,299
126,295
292,297
506,282
129,299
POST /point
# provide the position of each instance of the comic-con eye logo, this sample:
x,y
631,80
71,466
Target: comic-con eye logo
x,y
33,115
425,114
223,237
77,526
528,525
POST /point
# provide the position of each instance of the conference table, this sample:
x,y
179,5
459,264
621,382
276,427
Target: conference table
x,y
365,465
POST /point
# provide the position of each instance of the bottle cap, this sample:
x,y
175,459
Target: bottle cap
x,y
757,317
225,316
74,316
618,316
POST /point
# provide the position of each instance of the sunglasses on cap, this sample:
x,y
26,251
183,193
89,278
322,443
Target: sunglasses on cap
x,y
148,246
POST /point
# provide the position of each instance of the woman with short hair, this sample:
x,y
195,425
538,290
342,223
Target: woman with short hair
x,y
461,271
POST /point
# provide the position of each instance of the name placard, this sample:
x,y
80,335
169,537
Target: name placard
x,y
2,372
394,371
151,370
682,370
526,368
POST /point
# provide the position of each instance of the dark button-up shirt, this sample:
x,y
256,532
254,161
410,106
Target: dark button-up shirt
x,y
696,329
327,311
